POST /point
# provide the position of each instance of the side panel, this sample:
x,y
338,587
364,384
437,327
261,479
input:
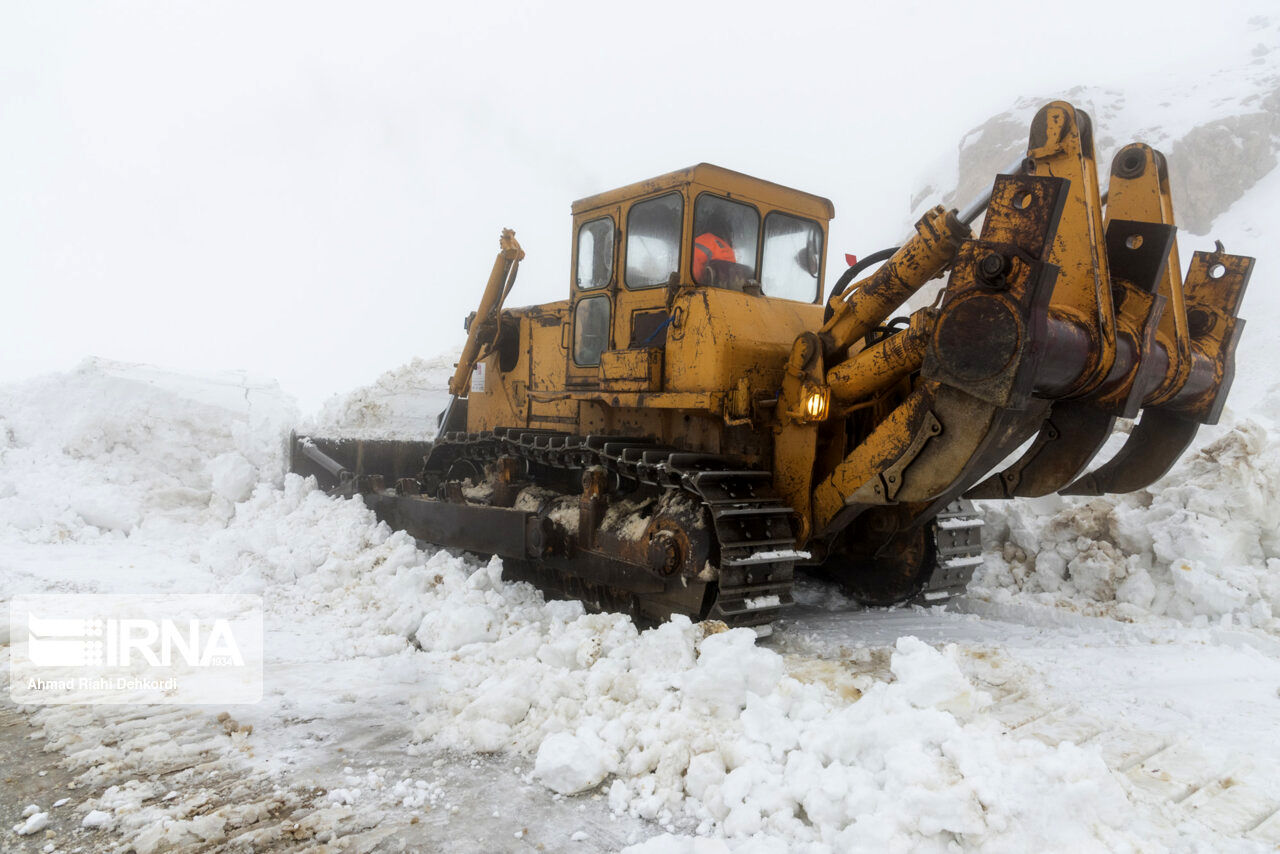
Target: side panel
x,y
530,393
718,337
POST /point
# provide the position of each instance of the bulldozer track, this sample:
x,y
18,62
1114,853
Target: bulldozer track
x,y
957,535
753,528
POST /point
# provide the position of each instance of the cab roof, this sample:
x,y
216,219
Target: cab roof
x,y
730,182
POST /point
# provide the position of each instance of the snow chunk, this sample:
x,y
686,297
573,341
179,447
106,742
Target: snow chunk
x,y
97,818
232,476
343,796
34,823
932,679
569,764
456,627
1209,593
731,667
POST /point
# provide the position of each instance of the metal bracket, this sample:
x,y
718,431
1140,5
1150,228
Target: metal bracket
x,y
883,487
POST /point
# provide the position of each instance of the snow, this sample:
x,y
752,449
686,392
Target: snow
x,y
232,477
35,823
730,669
402,403
701,730
1201,544
96,818
102,452
454,629
684,724
569,764
772,555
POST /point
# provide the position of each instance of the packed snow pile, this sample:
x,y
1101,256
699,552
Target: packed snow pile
x,y
403,403
110,449
1202,544
689,725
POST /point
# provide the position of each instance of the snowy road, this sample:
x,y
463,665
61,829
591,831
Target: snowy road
x,y
179,781
329,762
1190,720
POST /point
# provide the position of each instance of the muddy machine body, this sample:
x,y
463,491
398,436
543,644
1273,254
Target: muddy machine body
x,y
684,431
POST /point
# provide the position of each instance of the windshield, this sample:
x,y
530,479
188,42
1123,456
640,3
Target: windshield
x,y
726,232
792,257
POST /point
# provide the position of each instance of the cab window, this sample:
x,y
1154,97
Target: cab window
x,y
725,236
590,330
653,240
595,253
792,257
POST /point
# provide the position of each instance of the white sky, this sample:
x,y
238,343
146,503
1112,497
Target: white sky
x,y
314,191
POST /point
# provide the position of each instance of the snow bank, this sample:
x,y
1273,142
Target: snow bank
x,y
111,449
1201,544
403,403
688,725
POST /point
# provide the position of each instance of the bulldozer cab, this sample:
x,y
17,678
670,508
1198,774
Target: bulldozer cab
x,y
635,248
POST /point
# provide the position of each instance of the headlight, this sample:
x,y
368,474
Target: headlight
x,y
815,402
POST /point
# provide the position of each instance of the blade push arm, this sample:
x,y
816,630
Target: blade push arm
x,y
483,329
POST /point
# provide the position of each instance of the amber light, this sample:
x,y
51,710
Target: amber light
x,y
816,400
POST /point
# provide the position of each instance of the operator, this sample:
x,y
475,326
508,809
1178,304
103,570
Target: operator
x,y
709,246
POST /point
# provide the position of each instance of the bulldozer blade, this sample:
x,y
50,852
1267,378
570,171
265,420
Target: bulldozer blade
x,y
335,463
1155,444
1071,435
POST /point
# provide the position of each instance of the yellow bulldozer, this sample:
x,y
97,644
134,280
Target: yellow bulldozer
x,y
700,416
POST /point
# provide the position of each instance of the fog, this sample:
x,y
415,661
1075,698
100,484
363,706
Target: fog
x,y
314,191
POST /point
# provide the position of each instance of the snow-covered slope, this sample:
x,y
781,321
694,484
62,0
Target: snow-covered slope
x,y
1219,132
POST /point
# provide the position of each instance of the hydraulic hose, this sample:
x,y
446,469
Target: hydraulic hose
x,y
848,275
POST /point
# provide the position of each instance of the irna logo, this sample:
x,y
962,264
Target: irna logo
x,y
96,642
